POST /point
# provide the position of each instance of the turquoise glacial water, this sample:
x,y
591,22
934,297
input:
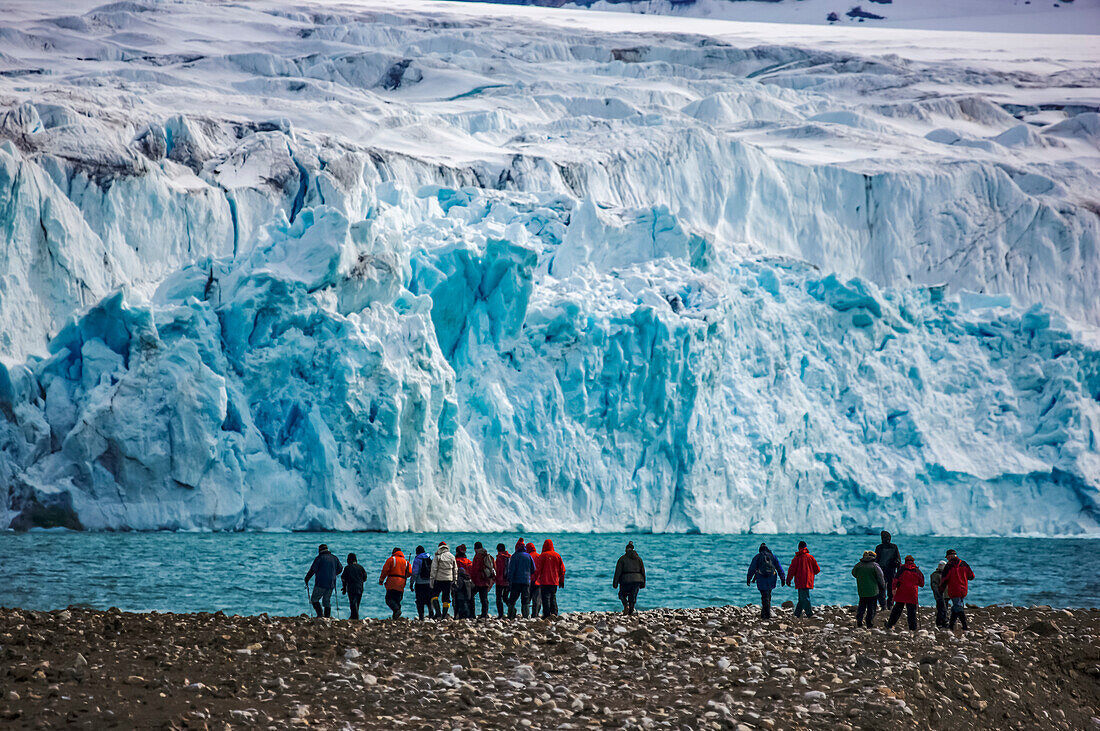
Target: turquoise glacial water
x,y
252,573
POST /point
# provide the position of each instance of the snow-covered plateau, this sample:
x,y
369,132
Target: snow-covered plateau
x,y
401,265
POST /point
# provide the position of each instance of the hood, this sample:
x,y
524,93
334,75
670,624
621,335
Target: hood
x,y
425,554
530,548
520,547
631,553
547,545
503,553
804,550
910,565
398,553
442,550
885,536
479,551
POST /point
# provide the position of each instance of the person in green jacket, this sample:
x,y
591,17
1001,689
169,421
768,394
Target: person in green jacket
x,y
869,582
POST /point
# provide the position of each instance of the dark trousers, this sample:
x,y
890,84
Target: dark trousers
x,y
483,592
886,596
868,605
549,601
502,598
464,603
519,591
353,604
628,595
765,603
803,604
393,601
957,613
536,600
910,615
441,597
424,600
941,611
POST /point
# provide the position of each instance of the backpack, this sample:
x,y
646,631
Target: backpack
x,y
425,569
462,584
488,567
766,568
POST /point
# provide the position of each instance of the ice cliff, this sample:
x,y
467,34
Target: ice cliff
x,y
368,269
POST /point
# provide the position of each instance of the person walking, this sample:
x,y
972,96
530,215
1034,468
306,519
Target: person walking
x,y
629,578
521,568
937,593
395,574
889,560
869,583
422,583
906,585
484,575
551,576
802,570
765,570
955,582
351,584
502,558
444,573
325,568
536,594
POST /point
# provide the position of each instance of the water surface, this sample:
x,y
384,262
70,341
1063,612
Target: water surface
x,y
252,573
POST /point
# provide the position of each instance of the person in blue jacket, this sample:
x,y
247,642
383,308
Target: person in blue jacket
x,y
766,571
521,569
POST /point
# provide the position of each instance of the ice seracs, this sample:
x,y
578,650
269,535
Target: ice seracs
x,y
301,283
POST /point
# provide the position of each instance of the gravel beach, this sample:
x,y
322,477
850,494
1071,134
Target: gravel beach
x,y
717,668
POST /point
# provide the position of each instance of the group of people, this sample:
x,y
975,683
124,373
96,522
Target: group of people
x,y
443,581
883,581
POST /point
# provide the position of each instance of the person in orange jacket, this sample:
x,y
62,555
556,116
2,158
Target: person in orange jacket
x,y
551,575
802,571
395,572
536,591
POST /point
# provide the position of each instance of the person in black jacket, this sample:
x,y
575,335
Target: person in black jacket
x,y
326,568
888,559
352,581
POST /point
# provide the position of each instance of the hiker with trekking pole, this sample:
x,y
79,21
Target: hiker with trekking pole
x,y
324,571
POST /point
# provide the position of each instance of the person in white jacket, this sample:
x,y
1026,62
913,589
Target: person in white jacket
x,y
444,574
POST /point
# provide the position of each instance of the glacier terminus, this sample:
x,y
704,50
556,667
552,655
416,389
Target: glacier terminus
x,y
422,266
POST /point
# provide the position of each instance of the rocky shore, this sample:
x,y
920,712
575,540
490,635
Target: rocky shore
x,y
719,668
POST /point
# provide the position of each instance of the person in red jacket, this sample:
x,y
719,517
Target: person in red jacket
x,y
802,571
536,592
502,578
551,575
906,583
957,576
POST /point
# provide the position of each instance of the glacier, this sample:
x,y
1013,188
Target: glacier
x,y
394,268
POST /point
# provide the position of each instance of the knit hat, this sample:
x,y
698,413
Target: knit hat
x,y
322,547
763,546
909,559
941,565
801,545
630,544
869,554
